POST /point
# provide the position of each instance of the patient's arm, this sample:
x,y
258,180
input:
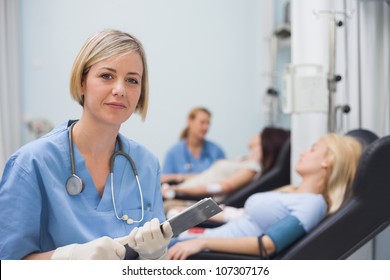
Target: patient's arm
x,y
237,180
218,218
227,214
175,178
276,238
234,182
242,245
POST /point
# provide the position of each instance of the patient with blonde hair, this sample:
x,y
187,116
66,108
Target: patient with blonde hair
x,y
274,220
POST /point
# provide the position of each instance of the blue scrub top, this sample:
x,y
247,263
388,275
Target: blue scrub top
x,y
38,215
179,160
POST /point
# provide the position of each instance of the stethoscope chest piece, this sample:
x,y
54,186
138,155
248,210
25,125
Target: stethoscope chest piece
x,y
74,185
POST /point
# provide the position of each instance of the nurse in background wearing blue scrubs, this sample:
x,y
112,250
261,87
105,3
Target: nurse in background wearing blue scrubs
x,y
44,217
193,153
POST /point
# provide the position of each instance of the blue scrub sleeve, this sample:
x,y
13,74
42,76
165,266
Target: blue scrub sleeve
x,y
21,213
221,154
285,232
158,200
168,164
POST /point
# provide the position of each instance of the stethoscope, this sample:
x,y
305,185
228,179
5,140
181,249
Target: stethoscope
x,y
188,165
74,184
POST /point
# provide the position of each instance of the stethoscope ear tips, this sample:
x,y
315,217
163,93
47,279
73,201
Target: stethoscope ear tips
x,y
74,185
127,219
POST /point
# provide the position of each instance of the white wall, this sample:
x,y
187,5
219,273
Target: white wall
x,y
9,81
375,60
204,52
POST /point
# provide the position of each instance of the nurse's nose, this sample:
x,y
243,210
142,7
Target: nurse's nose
x,y
119,89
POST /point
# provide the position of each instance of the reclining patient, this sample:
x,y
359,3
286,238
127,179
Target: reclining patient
x,y
226,175
274,220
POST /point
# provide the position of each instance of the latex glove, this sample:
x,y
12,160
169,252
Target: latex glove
x,y
103,248
149,241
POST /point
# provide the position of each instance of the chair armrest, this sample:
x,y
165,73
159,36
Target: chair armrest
x,y
213,255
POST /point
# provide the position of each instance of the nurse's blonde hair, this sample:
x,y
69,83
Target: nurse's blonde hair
x,y
103,45
192,115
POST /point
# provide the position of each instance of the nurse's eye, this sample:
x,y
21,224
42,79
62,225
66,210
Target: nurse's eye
x,y
106,76
133,81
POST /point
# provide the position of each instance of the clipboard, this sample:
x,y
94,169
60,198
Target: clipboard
x,y
190,217
194,215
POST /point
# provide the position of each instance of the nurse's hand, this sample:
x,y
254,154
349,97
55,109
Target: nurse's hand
x,y
150,241
103,248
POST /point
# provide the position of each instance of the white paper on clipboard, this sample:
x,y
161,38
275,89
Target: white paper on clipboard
x,y
194,215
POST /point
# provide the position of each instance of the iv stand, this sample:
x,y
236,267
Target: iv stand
x,y
332,77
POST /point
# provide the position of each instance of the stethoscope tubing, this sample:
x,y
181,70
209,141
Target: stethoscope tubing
x,y
112,162
74,184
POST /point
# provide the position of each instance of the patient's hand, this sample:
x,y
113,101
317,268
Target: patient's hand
x,y
182,250
227,214
168,192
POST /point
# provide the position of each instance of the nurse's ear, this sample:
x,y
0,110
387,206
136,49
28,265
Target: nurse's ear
x,y
81,98
83,89
83,85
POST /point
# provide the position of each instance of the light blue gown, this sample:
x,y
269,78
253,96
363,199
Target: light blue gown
x,y
38,215
266,209
179,159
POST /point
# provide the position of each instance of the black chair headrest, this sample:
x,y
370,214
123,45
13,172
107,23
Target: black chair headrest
x,y
277,176
364,136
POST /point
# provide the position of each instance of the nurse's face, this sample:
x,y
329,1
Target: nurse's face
x,y
112,88
199,126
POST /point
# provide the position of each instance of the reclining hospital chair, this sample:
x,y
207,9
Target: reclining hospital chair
x,y
363,215
276,177
364,136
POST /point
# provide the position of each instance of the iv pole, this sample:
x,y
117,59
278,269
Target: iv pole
x,y
332,77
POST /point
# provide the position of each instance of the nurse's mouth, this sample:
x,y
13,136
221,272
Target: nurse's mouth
x,y
116,105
